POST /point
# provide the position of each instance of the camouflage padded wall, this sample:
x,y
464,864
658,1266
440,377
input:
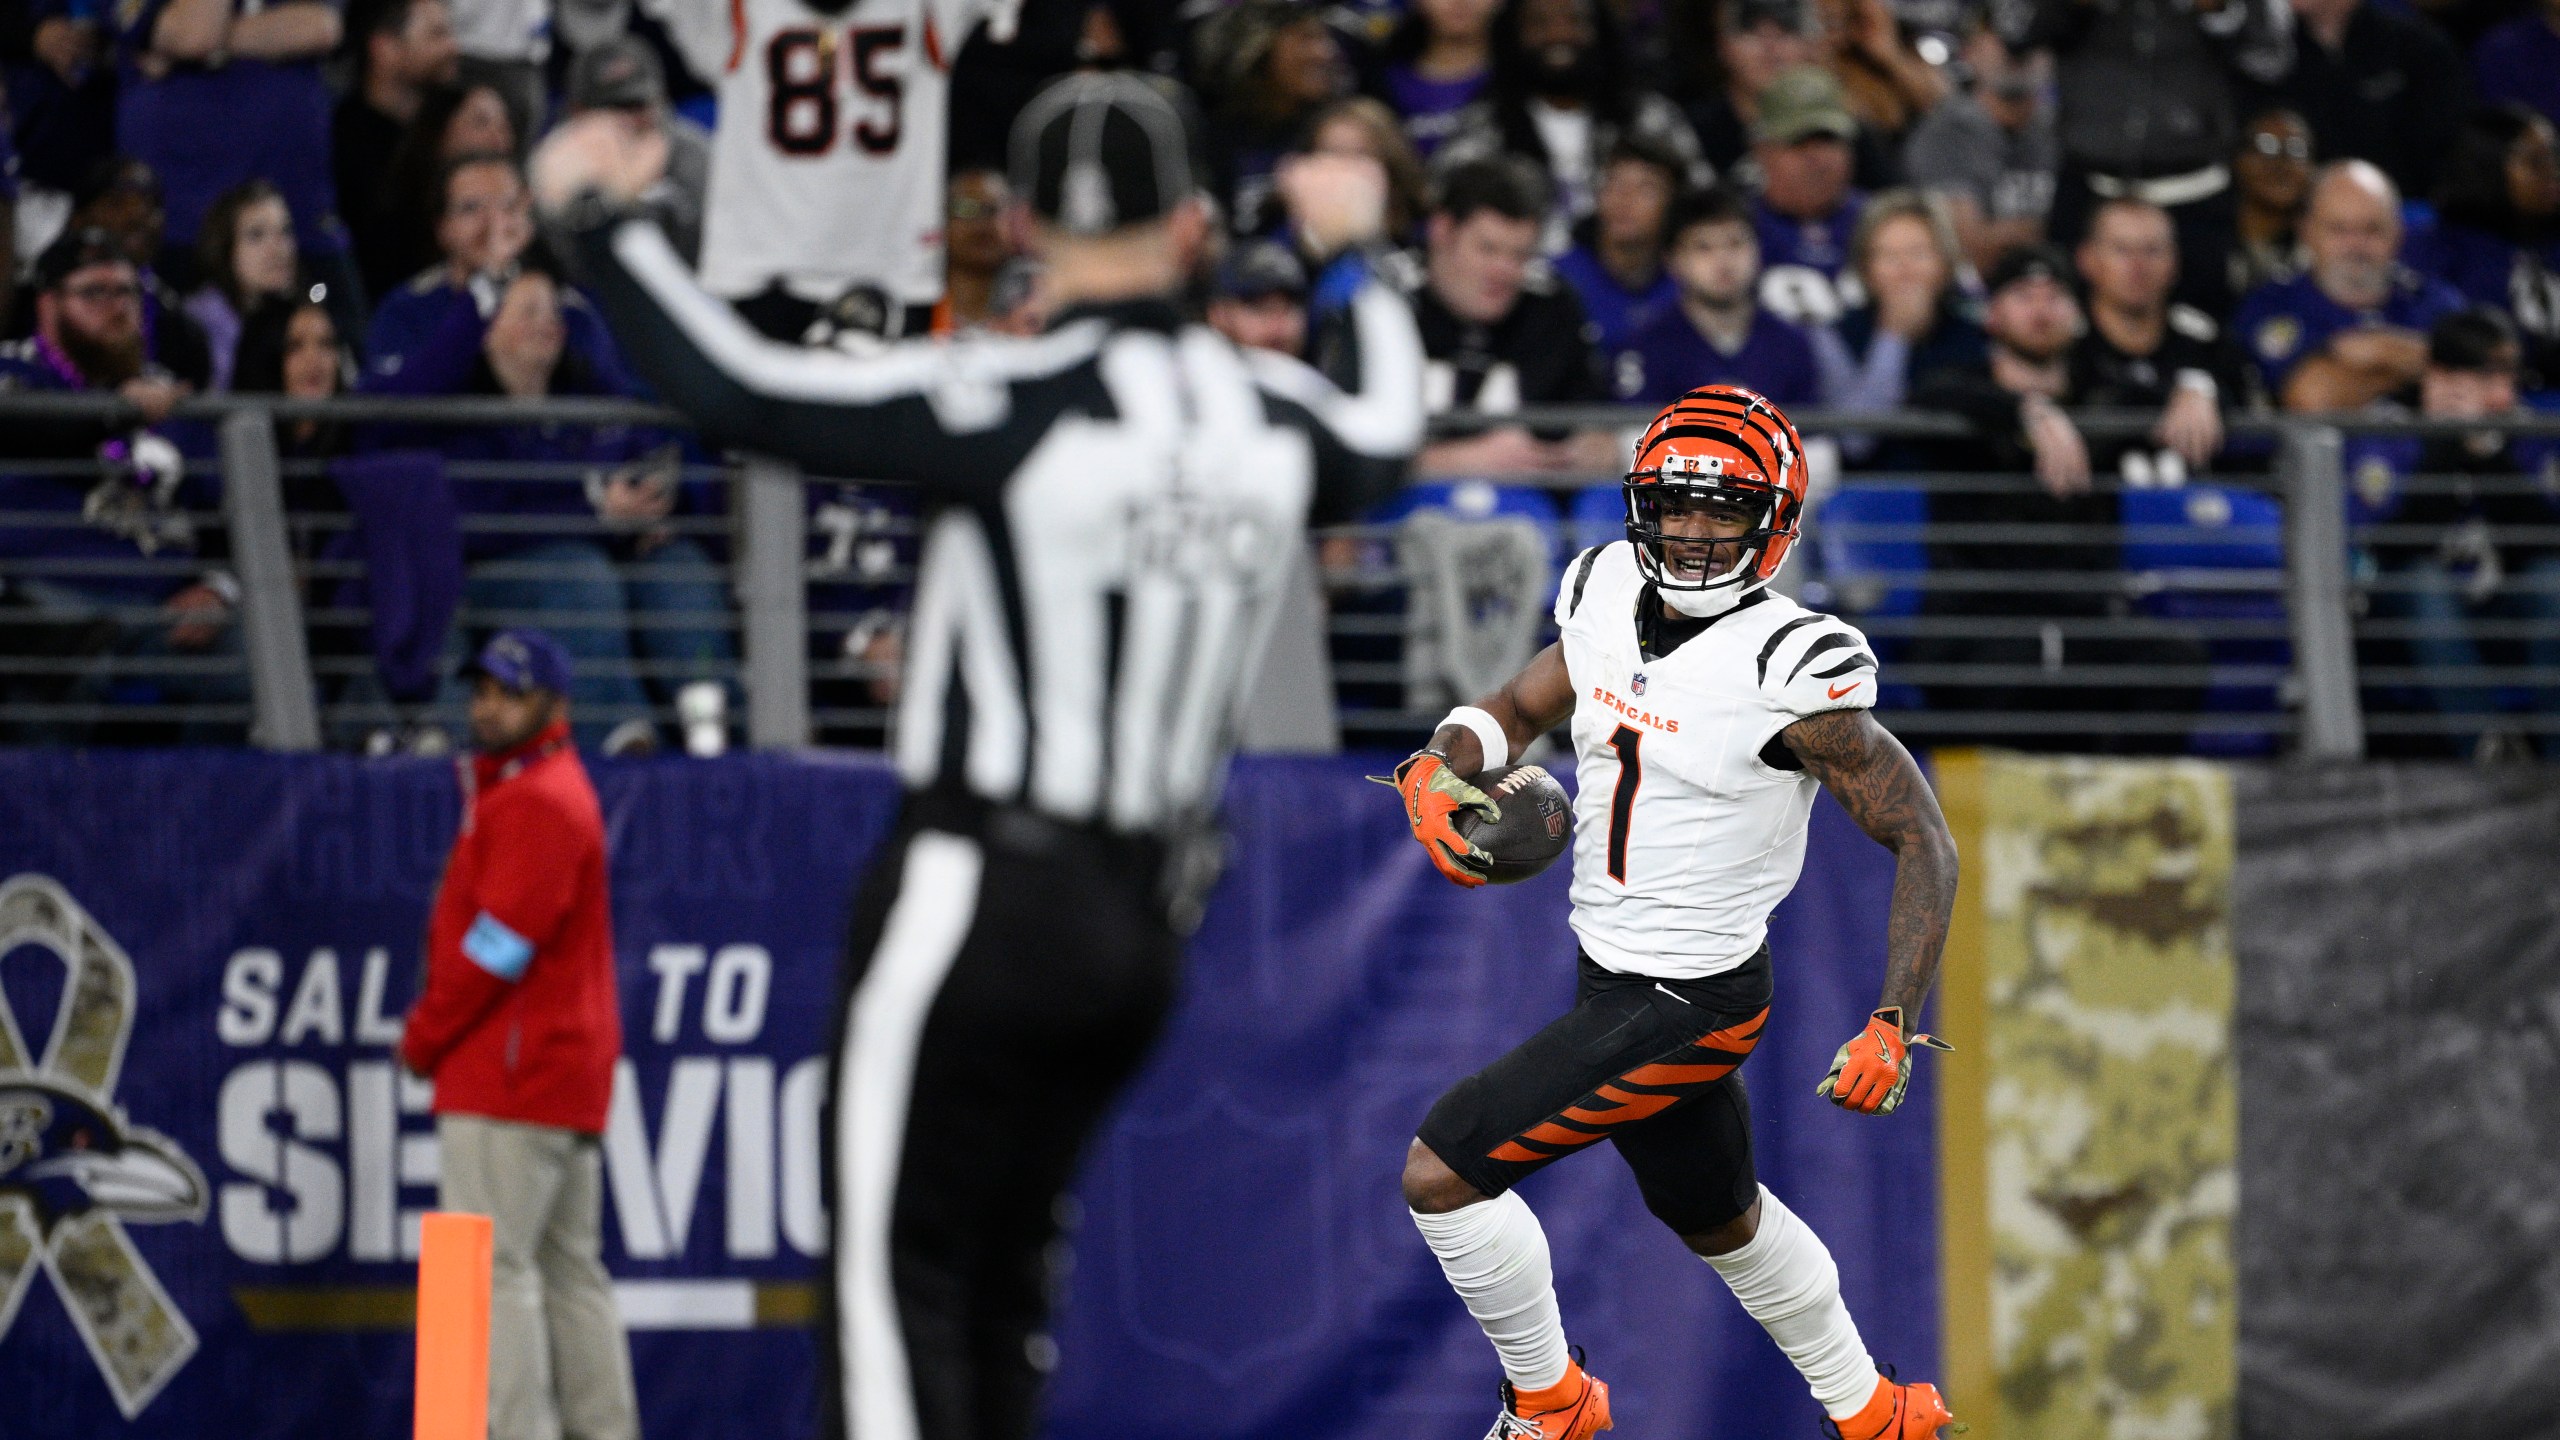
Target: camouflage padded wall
x,y
2089,1127
2399,938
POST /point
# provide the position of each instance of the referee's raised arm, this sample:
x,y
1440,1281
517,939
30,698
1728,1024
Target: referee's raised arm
x,y
941,414
1365,430
932,414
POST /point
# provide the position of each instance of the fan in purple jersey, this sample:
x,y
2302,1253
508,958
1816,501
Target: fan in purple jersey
x,y
116,511
646,592
245,255
1807,210
61,100
1718,333
1266,67
2461,574
2353,328
214,92
2494,240
121,196
483,225
2520,61
1438,62
1615,265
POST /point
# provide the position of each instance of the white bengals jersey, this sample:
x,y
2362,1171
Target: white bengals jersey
x,y
827,167
1685,838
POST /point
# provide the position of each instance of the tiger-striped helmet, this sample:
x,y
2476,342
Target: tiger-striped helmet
x,y
1725,443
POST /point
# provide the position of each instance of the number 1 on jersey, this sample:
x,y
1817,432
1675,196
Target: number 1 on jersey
x,y
1628,742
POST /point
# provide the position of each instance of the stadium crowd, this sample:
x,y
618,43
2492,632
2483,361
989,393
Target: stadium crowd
x,y
2194,208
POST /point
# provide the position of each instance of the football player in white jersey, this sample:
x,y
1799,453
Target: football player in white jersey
x,y
1706,708
827,166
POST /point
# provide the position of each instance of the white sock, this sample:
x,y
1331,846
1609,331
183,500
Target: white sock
x,y
1495,1255
1788,1281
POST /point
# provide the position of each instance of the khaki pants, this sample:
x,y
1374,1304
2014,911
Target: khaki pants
x,y
558,1364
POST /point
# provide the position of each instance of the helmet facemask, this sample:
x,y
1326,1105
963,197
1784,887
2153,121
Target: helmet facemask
x,y
1699,537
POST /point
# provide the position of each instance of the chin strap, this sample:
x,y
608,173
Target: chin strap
x,y
1705,604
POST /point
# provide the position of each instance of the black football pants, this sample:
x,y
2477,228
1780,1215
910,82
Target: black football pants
x,y
1007,976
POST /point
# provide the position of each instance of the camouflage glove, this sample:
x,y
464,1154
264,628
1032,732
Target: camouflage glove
x,y
1871,1072
1433,796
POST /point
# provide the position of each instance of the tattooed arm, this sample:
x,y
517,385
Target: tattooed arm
x,y
1881,787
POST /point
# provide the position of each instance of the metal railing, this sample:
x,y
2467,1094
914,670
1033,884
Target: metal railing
x,y
88,639
2457,625
2262,620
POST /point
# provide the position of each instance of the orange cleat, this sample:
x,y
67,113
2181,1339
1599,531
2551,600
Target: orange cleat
x,y
1898,1412
1574,1408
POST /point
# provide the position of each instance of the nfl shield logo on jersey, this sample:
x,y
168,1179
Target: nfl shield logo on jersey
x,y
1637,684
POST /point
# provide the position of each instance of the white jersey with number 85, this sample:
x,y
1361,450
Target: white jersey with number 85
x,y
827,167
1685,837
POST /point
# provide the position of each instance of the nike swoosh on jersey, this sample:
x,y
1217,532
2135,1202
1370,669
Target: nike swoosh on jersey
x,y
1836,691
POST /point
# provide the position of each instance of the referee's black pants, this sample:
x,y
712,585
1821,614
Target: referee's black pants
x,y
1007,974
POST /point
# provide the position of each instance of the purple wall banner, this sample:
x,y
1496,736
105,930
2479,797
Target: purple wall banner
x,y
203,956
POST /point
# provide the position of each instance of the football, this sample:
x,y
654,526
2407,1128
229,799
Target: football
x,y
1536,824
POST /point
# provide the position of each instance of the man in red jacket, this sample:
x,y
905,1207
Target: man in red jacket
x,y
519,1028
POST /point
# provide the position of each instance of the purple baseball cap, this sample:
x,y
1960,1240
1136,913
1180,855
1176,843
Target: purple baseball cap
x,y
523,660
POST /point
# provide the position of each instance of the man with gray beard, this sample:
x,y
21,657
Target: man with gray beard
x,y
2353,328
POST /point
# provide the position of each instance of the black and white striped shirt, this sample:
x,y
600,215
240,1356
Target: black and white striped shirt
x,y
1112,511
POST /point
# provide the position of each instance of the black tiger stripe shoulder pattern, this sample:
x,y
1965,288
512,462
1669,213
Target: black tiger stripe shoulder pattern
x,y
1825,638
1582,577
1779,636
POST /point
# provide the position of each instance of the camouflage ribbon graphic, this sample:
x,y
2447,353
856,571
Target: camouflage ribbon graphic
x,y
72,1170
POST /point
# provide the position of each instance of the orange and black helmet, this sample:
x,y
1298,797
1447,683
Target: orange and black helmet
x,y
1726,443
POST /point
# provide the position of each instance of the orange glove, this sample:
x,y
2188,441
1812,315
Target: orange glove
x,y
1871,1072
1433,796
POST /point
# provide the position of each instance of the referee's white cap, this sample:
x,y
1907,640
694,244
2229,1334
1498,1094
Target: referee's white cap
x,y
1098,151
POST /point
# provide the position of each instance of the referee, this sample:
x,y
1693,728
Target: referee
x,y
1111,511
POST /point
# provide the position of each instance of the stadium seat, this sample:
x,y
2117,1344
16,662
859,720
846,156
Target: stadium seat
x,y
1467,500
1598,516
1866,576
1863,574
1477,500
2186,546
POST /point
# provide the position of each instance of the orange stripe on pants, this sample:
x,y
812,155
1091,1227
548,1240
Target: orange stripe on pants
x,y
1731,1045
1630,1107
